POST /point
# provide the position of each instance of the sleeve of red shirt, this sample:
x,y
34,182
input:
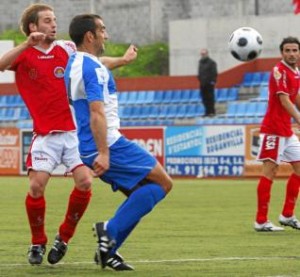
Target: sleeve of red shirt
x,y
296,3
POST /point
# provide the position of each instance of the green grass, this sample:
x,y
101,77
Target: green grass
x,y
203,228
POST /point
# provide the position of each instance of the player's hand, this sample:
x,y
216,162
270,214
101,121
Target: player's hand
x,y
130,54
297,119
35,38
101,164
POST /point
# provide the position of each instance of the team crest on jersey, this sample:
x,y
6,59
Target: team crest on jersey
x,y
59,72
277,75
32,73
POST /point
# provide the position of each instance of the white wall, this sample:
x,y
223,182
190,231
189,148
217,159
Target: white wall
x,y
187,37
6,76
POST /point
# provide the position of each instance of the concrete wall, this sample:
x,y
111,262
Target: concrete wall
x,y
187,37
143,21
6,76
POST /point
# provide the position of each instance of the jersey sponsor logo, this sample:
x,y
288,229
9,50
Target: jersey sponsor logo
x,y
270,142
45,57
59,72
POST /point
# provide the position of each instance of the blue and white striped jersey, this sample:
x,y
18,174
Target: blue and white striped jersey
x,y
88,80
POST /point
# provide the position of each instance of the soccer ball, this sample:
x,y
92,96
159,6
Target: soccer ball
x,y
245,44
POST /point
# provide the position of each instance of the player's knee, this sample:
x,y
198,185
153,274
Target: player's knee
x,y
270,170
83,178
84,183
162,178
275,170
272,173
36,189
166,184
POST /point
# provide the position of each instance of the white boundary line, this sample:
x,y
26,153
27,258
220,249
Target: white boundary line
x,y
175,260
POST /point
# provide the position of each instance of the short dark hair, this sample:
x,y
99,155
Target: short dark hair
x,y
289,40
80,25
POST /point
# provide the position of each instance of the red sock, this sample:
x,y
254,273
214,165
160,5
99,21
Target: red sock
x,y
292,191
263,199
36,208
78,203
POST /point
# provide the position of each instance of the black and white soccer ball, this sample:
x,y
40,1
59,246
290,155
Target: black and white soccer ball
x,y
245,44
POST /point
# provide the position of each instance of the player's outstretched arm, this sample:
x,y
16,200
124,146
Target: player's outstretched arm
x,y
9,57
114,62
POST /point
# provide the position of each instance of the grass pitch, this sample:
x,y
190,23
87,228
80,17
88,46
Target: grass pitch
x,y
203,228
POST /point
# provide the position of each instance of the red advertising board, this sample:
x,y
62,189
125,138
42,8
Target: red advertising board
x,y
151,139
9,151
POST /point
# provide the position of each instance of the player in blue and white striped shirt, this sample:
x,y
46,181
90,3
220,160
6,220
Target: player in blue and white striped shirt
x,y
117,161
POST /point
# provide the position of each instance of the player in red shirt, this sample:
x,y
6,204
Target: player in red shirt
x,y
39,64
278,141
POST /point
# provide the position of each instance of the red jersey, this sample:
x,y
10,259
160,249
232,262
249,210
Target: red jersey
x,y
40,81
277,120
